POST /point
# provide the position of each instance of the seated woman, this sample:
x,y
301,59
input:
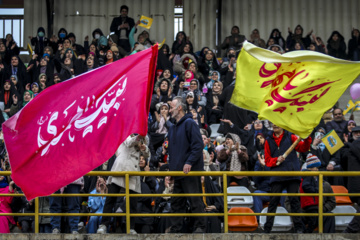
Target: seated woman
x,y
214,110
234,157
7,96
194,88
159,127
182,60
148,185
163,205
212,205
163,93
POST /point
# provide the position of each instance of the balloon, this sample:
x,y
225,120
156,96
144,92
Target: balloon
x,y
355,91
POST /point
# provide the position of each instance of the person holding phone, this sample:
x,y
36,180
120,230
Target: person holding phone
x,y
96,205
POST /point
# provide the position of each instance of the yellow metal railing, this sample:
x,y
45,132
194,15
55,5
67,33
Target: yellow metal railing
x,y
225,194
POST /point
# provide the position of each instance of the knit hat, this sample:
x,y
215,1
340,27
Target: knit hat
x,y
312,161
190,94
160,104
351,121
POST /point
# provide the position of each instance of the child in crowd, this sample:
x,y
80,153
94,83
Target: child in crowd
x,y
310,204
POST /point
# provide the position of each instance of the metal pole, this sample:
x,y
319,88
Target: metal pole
x,y
36,215
127,200
226,227
321,200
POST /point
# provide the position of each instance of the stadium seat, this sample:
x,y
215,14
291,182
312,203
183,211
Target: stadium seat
x,y
214,128
242,223
281,223
239,201
341,222
341,200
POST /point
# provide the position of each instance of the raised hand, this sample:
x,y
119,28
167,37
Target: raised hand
x,y
226,121
15,99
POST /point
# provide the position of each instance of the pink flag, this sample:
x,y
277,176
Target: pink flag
x,y
73,127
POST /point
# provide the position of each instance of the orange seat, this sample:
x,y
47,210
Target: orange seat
x,y
242,223
266,204
234,184
341,200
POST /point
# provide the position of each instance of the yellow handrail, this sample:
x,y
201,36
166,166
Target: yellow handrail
x,y
225,194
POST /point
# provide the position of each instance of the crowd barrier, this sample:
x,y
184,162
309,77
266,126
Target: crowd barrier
x,y
225,194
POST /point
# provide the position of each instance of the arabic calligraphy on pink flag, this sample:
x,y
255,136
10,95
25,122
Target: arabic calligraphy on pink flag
x,y
73,127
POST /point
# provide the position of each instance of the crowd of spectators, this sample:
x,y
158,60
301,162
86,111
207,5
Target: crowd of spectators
x,y
205,85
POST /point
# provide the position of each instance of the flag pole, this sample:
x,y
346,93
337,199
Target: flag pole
x,y
292,147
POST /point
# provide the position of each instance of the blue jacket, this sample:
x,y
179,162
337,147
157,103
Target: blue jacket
x,y
96,204
290,164
185,145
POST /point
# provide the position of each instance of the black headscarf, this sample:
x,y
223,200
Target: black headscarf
x,y
9,95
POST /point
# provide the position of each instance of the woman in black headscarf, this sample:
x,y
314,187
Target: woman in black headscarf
x,y
8,93
336,45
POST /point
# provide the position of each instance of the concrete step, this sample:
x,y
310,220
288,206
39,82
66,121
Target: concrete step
x,y
229,236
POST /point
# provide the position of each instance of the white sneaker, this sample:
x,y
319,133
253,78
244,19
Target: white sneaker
x,y
132,231
55,231
102,229
75,232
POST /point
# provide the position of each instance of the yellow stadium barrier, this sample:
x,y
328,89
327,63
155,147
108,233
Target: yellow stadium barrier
x,y
225,214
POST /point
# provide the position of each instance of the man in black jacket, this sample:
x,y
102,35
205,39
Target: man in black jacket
x,y
122,26
338,124
186,154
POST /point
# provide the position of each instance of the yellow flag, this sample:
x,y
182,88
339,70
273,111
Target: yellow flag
x,y
349,107
357,106
162,43
145,22
332,142
30,49
292,90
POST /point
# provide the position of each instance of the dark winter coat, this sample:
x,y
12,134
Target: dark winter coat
x,y
311,185
354,45
39,42
144,203
292,162
117,21
185,145
337,49
339,127
237,115
350,155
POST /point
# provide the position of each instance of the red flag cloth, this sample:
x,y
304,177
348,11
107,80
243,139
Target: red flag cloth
x,y
74,126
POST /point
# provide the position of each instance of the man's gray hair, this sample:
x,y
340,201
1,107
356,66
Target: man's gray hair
x,y
180,101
